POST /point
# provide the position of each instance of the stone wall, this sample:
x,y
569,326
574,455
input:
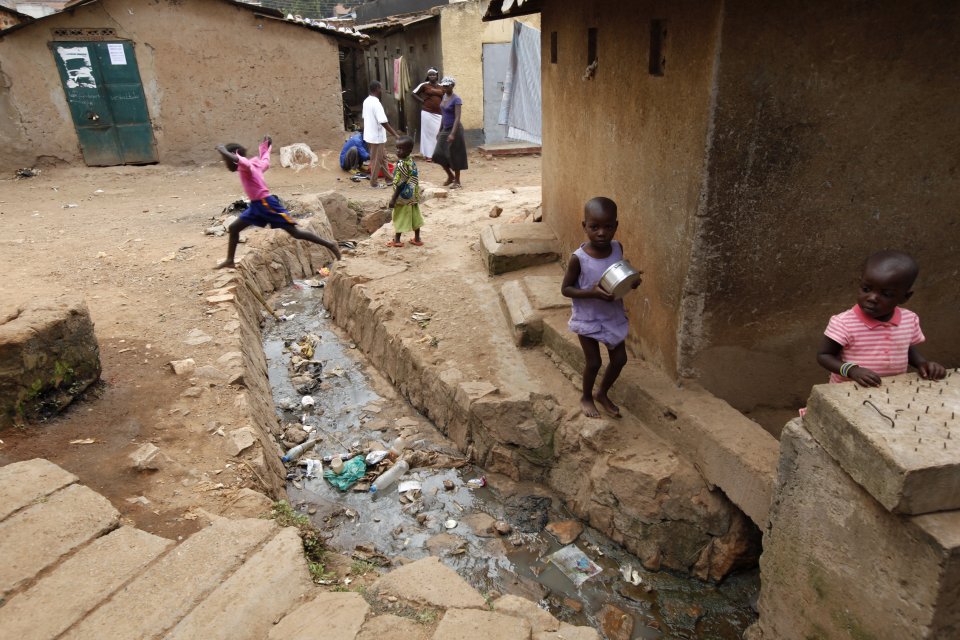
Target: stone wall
x,y
272,261
48,355
837,564
641,495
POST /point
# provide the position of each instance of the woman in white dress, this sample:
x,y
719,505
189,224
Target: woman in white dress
x,y
429,94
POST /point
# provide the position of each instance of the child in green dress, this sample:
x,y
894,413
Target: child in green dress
x,y
406,195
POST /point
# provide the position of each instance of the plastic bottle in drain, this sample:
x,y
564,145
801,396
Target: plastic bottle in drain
x,y
298,450
390,476
396,448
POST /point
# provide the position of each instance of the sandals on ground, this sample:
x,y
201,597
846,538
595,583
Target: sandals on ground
x,y
416,243
394,244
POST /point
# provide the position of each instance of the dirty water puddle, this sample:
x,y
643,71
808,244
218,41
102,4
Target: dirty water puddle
x,y
444,512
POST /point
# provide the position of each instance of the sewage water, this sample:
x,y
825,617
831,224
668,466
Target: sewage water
x,y
348,412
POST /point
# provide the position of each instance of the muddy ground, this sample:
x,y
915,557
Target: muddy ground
x,y
130,241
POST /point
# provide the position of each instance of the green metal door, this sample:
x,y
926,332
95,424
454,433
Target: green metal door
x,y
102,84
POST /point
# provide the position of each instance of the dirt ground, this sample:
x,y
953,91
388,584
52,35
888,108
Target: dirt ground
x,y
130,241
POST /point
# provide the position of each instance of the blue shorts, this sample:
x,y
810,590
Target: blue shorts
x,y
268,212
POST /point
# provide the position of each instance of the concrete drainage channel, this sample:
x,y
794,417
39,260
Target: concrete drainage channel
x,y
501,537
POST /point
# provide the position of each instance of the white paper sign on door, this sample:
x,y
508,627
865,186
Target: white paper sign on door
x,y
117,56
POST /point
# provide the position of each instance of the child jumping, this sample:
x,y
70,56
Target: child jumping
x,y
265,209
597,316
406,195
877,338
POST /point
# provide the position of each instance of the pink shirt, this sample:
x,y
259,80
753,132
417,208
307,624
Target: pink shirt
x,y
879,346
251,173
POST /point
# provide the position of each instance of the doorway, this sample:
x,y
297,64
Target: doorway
x,y
102,83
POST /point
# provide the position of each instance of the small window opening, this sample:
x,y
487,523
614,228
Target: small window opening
x,y
411,48
658,43
553,47
591,45
376,66
424,46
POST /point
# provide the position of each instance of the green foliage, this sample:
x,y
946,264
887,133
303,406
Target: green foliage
x,y
313,547
362,567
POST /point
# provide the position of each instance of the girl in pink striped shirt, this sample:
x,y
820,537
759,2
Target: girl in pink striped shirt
x,y
877,338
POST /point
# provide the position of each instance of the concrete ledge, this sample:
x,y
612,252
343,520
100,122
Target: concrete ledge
x,y
908,461
837,564
508,247
510,149
730,450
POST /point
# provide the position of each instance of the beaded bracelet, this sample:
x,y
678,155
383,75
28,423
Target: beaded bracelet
x,y
846,367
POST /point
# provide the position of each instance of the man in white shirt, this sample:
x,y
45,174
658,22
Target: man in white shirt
x,y
375,127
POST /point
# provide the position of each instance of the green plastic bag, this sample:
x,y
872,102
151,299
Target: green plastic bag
x,y
353,469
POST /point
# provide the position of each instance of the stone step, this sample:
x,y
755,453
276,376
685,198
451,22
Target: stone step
x,y
159,598
508,247
51,606
524,303
727,448
471,624
23,482
330,615
38,536
274,579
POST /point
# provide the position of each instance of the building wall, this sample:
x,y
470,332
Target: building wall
x,y
462,36
836,134
277,79
419,44
634,137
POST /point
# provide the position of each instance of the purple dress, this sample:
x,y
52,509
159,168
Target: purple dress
x,y
603,321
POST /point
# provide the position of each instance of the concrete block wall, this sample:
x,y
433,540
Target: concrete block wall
x,y
839,564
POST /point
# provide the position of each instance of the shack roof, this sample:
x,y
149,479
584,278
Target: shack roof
x,y
392,24
501,9
347,34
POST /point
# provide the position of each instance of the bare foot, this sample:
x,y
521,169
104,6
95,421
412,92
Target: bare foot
x,y
589,408
448,182
226,264
607,405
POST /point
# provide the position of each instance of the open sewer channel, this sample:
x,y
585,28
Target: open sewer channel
x,y
446,514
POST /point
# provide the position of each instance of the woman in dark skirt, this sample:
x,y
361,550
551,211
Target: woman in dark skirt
x,y
451,151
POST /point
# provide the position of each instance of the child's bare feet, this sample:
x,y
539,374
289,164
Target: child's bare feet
x,y
226,264
607,405
589,408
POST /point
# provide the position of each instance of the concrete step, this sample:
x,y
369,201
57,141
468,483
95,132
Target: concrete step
x,y
158,599
727,448
330,615
274,579
23,482
508,247
524,303
38,536
64,596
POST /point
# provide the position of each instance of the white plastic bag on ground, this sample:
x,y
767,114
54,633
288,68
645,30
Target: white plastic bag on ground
x,y
297,156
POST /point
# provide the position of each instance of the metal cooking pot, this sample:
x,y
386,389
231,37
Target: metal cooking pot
x,y
618,279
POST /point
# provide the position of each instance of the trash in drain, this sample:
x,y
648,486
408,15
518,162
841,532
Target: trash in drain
x,y
574,564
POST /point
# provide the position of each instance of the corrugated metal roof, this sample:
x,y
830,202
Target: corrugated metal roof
x,y
321,26
500,9
397,23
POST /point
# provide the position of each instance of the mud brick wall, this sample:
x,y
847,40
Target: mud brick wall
x,y
48,355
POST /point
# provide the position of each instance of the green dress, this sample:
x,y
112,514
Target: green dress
x,y
406,211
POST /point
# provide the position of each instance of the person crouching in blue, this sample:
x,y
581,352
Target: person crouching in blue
x,y
354,153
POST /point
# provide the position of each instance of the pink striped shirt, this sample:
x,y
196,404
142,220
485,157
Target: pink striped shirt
x,y
879,346
251,173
